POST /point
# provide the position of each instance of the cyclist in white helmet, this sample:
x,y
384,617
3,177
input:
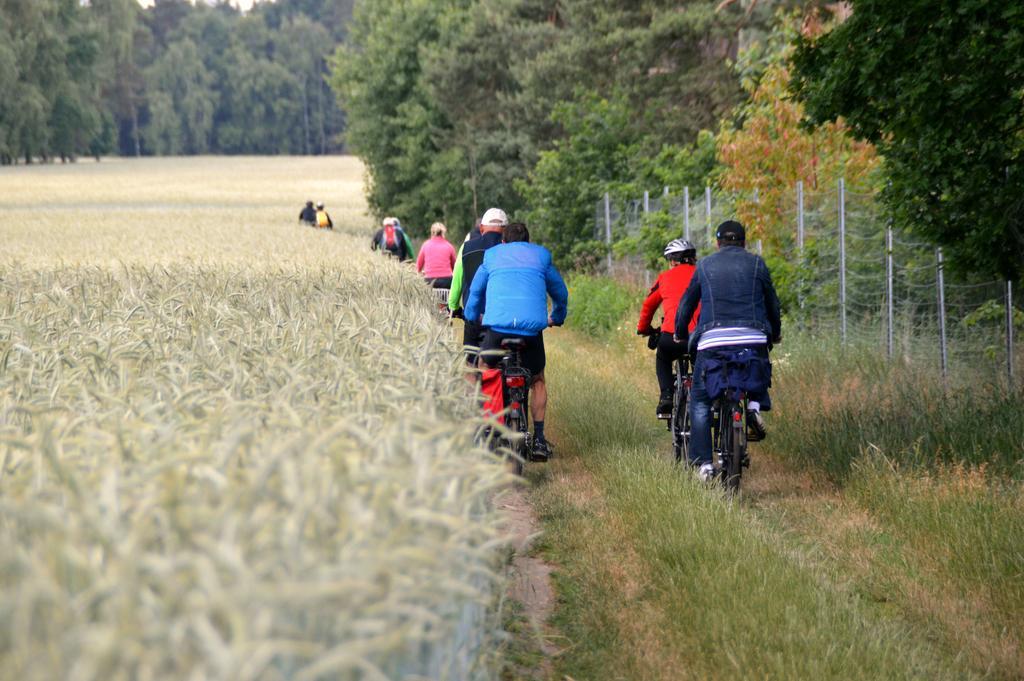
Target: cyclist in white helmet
x,y
666,292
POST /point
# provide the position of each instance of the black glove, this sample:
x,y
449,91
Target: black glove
x,y
457,314
652,341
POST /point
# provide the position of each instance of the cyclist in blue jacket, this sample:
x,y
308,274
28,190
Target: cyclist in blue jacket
x,y
510,292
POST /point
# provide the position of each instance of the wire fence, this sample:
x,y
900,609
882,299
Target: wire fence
x,y
854,277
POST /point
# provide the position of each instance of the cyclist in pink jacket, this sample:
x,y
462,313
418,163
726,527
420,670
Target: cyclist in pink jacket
x,y
436,258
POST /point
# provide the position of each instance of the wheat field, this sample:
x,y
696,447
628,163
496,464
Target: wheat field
x,y
230,447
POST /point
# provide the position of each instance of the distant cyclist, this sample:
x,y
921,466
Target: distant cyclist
x,y
308,214
739,309
492,224
391,238
666,292
437,258
323,220
509,297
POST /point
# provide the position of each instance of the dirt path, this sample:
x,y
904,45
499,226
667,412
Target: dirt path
x,y
530,587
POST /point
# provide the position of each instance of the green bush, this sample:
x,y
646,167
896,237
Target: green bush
x,y
599,305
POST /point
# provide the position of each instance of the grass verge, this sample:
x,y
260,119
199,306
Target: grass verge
x,y
661,578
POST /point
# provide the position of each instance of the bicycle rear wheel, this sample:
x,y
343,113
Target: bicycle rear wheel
x,y
734,443
517,443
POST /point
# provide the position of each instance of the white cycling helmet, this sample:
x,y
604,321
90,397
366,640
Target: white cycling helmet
x,y
680,247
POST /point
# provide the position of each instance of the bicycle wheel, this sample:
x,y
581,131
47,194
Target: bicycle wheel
x,y
681,425
733,469
517,443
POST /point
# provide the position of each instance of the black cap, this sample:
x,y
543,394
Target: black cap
x,y
730,230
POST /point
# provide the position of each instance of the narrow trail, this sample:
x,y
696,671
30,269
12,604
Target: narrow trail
x,y
530,586
651,571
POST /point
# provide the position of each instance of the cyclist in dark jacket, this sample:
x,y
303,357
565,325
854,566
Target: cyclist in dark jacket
x,y
308,214
470,257
391,238
738,309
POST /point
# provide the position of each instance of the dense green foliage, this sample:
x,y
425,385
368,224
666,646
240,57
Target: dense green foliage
x,y
452,117
600,305
939,88
176,78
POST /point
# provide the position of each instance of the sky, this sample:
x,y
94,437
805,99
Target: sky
x,y
241,4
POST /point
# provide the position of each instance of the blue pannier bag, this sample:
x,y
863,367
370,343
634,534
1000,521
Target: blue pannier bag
x,y
742,369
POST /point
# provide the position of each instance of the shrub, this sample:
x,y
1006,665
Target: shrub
x,y
598,305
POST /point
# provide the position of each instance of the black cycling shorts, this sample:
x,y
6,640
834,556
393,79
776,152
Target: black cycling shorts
x,y
533,355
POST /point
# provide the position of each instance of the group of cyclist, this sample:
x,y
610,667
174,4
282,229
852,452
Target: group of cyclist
x,y
499,284
721,309
722,306
315,217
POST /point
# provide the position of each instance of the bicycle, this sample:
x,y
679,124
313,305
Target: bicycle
x,y
729,439
515,385
516,381
678,420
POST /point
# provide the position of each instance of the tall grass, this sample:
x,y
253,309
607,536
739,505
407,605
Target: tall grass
x,y
834,403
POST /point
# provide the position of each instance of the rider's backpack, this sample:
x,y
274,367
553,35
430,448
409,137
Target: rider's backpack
x,y
390,239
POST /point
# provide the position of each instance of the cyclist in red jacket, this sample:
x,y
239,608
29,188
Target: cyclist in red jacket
x,y
667,292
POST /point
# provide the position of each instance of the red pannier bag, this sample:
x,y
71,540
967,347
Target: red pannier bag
x,y
494,397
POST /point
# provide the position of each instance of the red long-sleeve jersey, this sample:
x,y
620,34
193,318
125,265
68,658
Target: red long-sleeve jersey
x,y
667,291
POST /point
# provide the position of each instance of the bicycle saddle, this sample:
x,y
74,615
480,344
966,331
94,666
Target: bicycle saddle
x,y
513,343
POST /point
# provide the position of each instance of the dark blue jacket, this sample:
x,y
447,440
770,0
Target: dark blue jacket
x,y
734,289
511,289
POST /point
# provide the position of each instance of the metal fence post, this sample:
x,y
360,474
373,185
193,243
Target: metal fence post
x,y
800,216
760,247
942,313
608,228
647,202
842,259
664,192
686,213
888,291
1009,332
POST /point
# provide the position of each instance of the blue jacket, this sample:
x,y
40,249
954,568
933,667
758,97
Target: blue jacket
x,y
734,289
511,290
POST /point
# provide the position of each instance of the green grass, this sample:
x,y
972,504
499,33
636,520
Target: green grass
x,y
662,578
833,404
961,535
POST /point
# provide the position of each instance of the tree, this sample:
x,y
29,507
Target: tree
x,y
182,108
937,86
392,119
50,105
770,151
119,75
594,157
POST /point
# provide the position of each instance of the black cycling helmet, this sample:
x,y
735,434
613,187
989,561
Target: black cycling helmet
x,y
680,248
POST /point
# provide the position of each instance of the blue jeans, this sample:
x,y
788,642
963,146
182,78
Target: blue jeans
x,y
700,411
700,415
